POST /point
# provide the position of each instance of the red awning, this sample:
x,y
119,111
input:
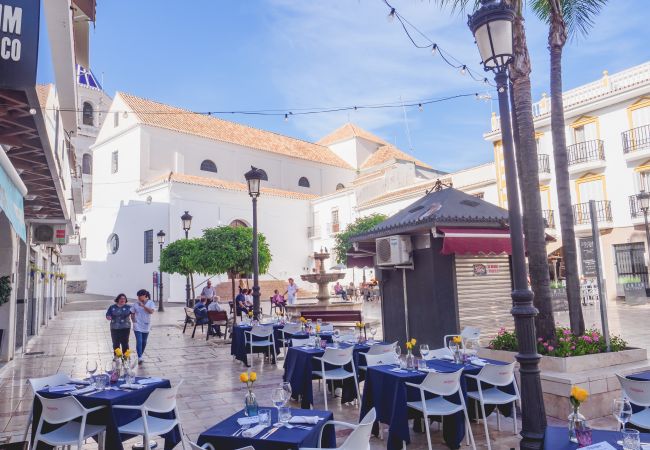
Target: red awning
x,y
475,241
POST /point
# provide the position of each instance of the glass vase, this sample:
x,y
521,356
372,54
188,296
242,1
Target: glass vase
x,y
410,360
576,421
116,370
250,404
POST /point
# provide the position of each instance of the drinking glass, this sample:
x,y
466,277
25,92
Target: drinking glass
x,y
133,361
402,363
284,414
622,411
631,440
101,381
286,386
279,397
91,368
336,338
398,350
373,331
422,364
265,417
129,377
424,350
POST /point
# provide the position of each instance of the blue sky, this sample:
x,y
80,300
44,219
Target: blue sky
x,y
289,54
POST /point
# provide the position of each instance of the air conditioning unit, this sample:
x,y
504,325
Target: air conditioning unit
x,y
393,250
50,234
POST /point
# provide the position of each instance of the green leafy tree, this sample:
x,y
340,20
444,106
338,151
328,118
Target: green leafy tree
x,y
565,18
183,257
229,250
358,226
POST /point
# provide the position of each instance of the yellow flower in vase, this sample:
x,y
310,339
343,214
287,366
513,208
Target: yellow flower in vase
x,y
457,340
243,377
578,396
118,352
253,377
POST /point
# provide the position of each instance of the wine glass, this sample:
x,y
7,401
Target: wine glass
x,y
398,351
373,331
622,411
279,397
336,338
133,361
424,350
91,368
286,387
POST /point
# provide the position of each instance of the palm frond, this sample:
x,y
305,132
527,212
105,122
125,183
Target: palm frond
x,y
579,15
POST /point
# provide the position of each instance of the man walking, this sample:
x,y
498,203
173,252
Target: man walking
x,y
291,292
141,313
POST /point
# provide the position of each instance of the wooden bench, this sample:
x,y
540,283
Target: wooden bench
x,y
335,316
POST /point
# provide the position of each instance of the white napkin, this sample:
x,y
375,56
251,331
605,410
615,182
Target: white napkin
x,y
63,388
645,447
131,386
398,370
599,446
428,369
257,429
248,420
83,390
80,381
151,380
304,419
446,357
478,362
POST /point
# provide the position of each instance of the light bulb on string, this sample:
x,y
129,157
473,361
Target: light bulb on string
x,y
485,81
286,117
420,107
434,49
463,70
391,15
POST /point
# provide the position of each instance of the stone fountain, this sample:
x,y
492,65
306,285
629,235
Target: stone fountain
x,y
324,301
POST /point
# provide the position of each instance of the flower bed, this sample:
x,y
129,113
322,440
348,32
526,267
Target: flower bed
x,y
565,344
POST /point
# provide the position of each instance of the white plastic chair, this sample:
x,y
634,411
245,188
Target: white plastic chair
x,y
208,446
440,353
442,385
40,383
161,400
496,376
286,334
297,342
338,357
378,349
376,360
468,334
359,439
638,393
261,331
65,410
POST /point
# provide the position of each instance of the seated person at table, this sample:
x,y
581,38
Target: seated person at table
x,y
338,290
201,313
240,300
249,298
278,300
215,306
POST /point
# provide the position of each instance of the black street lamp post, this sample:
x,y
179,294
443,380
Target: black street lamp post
x,y
161,242
643,198
491,26
187,224
253,178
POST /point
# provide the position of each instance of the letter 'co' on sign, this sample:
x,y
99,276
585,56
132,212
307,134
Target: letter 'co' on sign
x,y
19,27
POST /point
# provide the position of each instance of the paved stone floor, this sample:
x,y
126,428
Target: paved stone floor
x,y
211,390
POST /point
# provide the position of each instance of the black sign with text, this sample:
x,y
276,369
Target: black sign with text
x,y
19,26
588,257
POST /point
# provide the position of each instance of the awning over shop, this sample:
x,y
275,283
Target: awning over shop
x,y
475,241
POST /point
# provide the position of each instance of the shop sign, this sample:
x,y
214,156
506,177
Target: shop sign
x,y
588,257
481,270
19,27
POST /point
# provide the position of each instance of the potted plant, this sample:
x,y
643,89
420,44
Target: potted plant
x,y
5,289
634,290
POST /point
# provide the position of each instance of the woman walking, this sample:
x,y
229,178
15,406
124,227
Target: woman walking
x,y
119,315
142,312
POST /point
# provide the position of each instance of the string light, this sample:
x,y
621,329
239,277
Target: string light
x,y
434,47
286,117
463,70
420,107
391,15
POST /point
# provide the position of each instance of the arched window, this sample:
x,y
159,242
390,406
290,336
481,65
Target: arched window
x,y
208,166
339,186
238,223
303,182
87,164
88,114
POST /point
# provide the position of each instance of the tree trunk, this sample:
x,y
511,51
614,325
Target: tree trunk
x,y
526,152
234,306
192,284
557,38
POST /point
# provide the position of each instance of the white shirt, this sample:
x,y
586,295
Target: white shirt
x,y
142,322
292,289
208,292
215,306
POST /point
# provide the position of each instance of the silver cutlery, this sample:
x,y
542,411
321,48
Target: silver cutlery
x,y
238,432
269,433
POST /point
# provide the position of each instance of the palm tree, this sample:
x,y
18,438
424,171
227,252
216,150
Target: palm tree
x,y
565,17
527,166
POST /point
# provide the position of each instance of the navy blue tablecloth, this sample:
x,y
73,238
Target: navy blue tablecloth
x,y
557,438
221,434
299,366
386,391
109,416
240,350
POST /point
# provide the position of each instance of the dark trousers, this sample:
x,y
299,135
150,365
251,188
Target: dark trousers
x,y
121,338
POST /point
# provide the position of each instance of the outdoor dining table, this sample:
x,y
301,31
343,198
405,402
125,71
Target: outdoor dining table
x,y
386,391
221,435
110,416
557,438
240,350
299,365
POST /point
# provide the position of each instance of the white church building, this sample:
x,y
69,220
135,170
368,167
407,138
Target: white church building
x,y
152,162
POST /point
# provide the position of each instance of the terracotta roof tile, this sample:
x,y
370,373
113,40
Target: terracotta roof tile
x,y
223,184
349,131
388,152
177,119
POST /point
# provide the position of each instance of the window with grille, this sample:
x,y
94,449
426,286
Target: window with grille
x,y
87,164
303,182
208,166
114,162
88,114
148,246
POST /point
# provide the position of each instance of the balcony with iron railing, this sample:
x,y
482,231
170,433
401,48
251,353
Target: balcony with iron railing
x,y
586,155
581,215
549,218
544,166
636,143
313,232
636,212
